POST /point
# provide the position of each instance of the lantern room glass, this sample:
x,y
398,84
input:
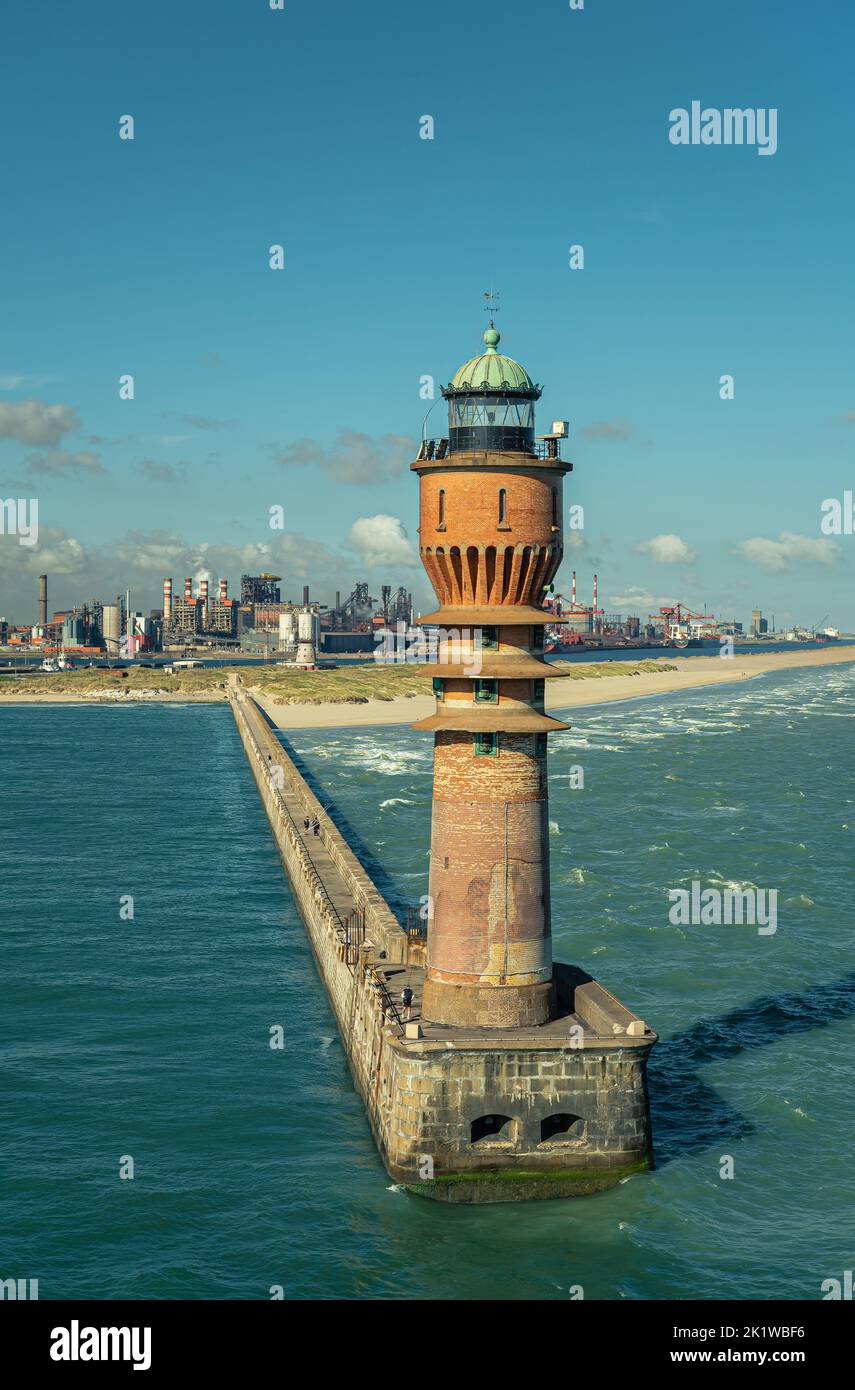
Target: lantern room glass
x,y
491,421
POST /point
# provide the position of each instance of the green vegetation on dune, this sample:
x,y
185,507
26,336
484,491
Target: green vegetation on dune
x,y
94,680
343,685
582,670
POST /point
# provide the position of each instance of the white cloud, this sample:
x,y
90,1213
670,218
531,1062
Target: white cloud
x,y
634,600
55,553
667,549
382,540
778,555
36,422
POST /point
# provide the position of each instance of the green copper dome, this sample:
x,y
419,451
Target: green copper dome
x,y
491,371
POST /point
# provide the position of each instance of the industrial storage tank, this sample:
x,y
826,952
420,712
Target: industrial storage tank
x,y
72,630
306,625
308,628
287,630
111,628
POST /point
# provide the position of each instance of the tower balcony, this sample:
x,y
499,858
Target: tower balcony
x,y
475,719
440,453
469,615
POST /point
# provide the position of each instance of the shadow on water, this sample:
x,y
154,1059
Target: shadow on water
x,y
392,891
687,1114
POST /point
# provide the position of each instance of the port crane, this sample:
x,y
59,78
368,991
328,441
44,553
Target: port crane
x,y
673,618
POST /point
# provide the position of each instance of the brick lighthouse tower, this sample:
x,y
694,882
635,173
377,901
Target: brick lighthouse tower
x,y
491,542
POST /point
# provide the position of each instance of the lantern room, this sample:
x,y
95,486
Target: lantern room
x,y
491,403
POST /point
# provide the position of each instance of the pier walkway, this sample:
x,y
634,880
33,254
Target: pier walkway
x,y
354,904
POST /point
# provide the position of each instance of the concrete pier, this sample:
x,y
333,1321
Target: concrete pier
x,y
469,1114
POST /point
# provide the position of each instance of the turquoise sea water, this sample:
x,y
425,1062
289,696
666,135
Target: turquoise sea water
x,y
149,1037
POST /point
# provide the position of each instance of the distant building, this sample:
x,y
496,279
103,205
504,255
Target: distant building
x,y
182,615
140,633
759,625
265,616
222,613
260,588
73,630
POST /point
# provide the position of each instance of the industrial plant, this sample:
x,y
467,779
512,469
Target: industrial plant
x,y
201,616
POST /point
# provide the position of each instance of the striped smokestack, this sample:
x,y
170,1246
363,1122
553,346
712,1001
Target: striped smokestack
x,y
224,590
203,590
573,590
167,601
188,587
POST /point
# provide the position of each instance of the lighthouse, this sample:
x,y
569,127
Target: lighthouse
x,y
490,539
508,1075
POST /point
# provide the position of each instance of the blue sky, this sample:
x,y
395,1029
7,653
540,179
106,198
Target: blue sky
x,y
253,387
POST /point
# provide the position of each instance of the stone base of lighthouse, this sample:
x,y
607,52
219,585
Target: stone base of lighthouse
x,y
486,1006
558,1110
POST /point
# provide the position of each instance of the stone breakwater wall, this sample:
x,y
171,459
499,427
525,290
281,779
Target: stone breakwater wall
x,y
463,1115
347,920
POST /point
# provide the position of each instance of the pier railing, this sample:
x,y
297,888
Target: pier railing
x,y
295,836
382,925
389,1005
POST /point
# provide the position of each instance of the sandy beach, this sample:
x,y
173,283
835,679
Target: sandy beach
x,y
588,689
569,694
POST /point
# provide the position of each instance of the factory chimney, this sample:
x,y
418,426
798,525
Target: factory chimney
x,y
42,600
305,595
573,589
167,602
188,587
596,607
224,590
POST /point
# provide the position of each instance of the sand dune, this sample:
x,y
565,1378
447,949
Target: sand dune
x,y
691,672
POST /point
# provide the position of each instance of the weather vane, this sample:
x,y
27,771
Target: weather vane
x,y
492,306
